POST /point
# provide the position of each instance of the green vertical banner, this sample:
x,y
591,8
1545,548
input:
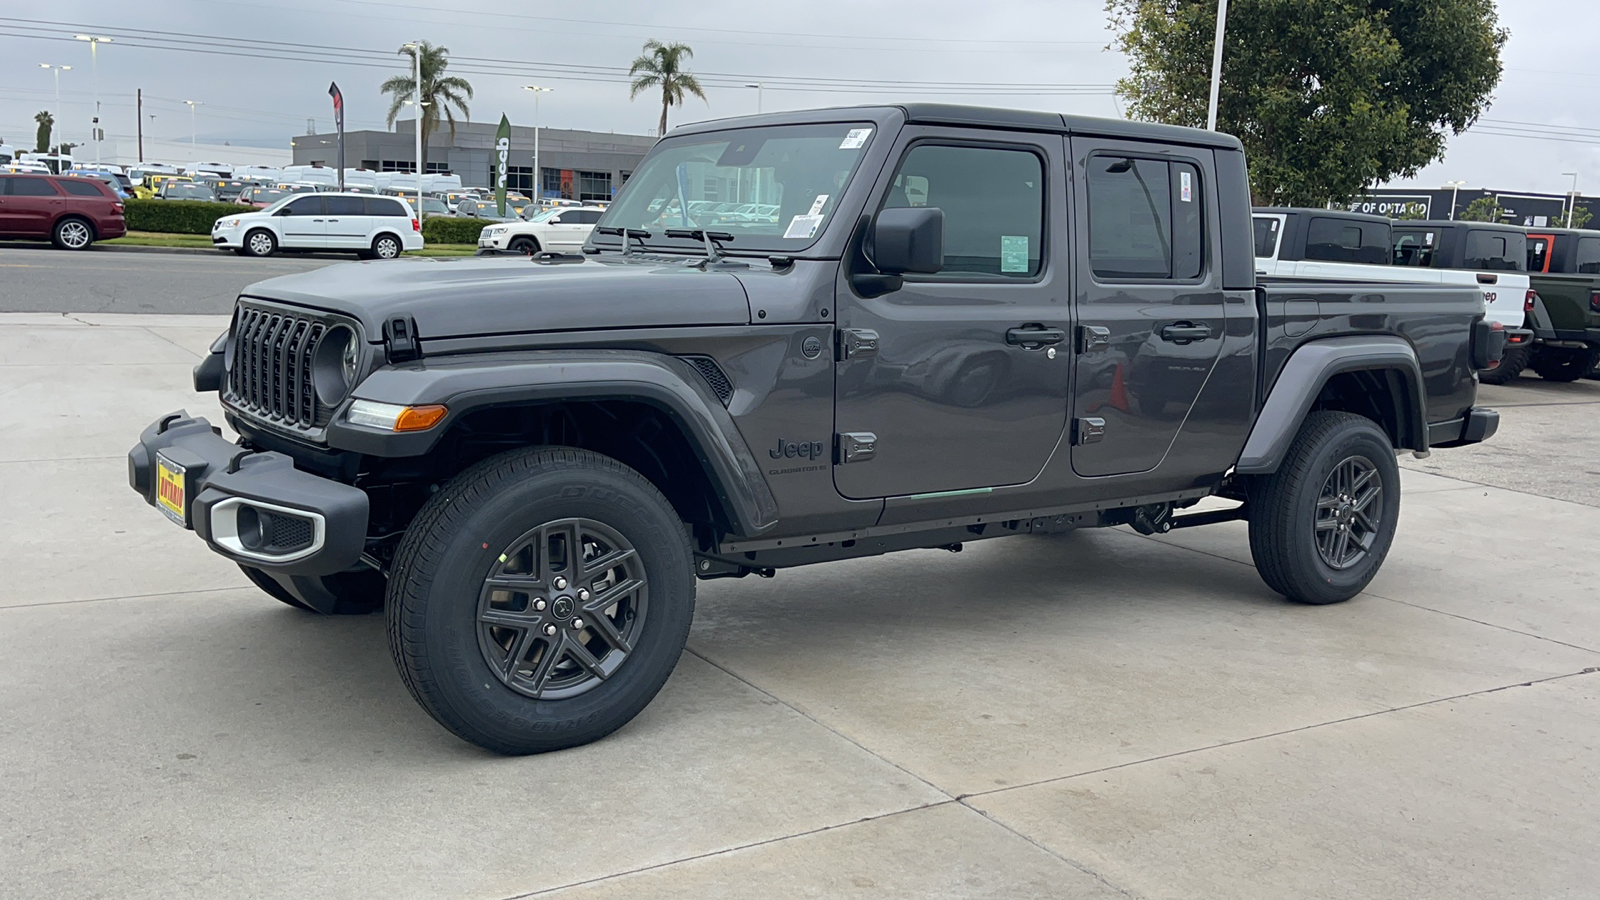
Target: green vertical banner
x,y
502,153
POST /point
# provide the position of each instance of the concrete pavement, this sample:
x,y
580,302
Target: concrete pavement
x,y
1092,715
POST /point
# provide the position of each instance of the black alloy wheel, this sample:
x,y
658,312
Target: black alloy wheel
x,y
562,608
1349,512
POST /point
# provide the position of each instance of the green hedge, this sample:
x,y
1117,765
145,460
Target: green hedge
x,y
451,230
177,216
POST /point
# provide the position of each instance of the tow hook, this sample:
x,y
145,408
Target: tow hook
x,y
1153,519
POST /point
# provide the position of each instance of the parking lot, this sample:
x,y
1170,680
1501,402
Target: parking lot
x,y
1091,715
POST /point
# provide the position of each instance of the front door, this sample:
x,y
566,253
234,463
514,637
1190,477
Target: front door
x,y
1151,314
961,378
303,222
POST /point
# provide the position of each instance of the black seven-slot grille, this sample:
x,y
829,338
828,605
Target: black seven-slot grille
x,y
271,374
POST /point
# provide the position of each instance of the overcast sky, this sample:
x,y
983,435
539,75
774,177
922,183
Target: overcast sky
x,y
922,47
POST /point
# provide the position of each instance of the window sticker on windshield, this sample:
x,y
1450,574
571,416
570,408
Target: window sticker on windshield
x,y
1183,182
1013,253
817,204
856,139
803,226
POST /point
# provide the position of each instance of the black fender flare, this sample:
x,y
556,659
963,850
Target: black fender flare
x,y
1303,376
467,383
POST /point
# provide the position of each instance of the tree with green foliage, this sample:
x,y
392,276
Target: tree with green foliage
x,y
1328,97
662,66
1483,209
41,141
442,95
1581,217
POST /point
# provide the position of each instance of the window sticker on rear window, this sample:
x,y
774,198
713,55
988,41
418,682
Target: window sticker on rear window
x,y
1183,182
855,139
1013,253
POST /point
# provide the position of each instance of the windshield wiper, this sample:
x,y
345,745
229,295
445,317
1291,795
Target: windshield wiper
x,y
637,234
712,240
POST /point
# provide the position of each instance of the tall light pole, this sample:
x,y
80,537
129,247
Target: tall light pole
x,y
56,70
94,69
538,173
1454,186
1572,198
758,86
1216,64
416,82
192,104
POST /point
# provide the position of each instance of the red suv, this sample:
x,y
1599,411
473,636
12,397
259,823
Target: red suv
x,y
72,212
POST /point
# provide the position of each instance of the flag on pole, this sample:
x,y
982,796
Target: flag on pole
x,y
502,151
338,122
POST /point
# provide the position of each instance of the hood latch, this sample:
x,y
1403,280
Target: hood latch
x,y
400,339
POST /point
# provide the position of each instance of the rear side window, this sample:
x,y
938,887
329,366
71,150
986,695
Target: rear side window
x,y
83,188
1146,219
1538,253
1495,250
345,206
1266,237
1586,257
581,217
1415,248
31,187
383,206
993,203
1342,240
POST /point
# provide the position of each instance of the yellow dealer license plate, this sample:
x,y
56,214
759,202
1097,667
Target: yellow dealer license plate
x,y
171,490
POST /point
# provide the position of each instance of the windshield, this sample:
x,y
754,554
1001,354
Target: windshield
x,y
273,207
265,195
541,215
189,192
783,182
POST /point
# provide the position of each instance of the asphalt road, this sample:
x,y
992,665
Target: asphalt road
x,y
36,279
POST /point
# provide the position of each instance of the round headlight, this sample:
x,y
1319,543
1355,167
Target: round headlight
x,y
333,365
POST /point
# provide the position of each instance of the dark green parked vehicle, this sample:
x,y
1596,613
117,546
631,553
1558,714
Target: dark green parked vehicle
x,y
1564,265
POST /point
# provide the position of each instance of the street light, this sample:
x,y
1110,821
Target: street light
x,y
56,70
1572,198
192,104
1454,186
538,173
95,41
758,86
1216,64
416,82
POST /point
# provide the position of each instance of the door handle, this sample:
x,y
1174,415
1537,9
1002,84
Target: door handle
x,y
1034,337
1185,333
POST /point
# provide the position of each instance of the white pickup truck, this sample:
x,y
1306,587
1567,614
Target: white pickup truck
x,y
1335,245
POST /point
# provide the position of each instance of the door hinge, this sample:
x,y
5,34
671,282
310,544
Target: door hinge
x,y
1088,430
1093,337
854,342
855,446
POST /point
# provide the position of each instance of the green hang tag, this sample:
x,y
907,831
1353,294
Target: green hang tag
x,y
1013,253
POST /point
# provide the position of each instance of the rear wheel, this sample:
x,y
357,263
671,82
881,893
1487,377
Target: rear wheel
x,y
347,593
1565,363
260,242
526,246
1510,368
386,246
72,233
1321,525
540,600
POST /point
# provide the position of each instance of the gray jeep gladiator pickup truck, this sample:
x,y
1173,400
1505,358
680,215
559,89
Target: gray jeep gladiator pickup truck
x,y
936,324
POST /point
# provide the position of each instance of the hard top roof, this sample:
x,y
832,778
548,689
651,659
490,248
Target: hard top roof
x,y
1314,211
1464,223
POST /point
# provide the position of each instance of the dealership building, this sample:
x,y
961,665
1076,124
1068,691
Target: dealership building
x,y
580,165
1516,207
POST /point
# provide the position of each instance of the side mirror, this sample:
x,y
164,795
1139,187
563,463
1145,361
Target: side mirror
x,y
909,240
554,221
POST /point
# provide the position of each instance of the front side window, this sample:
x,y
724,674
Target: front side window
x,y
305,206
1495,250
1341,240
993,203
794,173
31,187
1145,219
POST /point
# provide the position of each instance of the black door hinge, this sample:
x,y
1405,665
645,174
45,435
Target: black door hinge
x,y
400,339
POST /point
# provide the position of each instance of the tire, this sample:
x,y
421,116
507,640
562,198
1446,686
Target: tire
x,y
357,593
1565,363
511,689
386,246
72,233
526,246
259,242
1510,368
1294,513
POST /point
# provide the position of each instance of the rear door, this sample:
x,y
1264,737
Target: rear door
x,y
1151,312
347,224
303,222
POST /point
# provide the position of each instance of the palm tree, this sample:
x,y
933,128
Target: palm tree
x,y
440,93
661,65
42,138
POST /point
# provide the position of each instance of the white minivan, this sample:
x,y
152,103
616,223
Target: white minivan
x,y
369,226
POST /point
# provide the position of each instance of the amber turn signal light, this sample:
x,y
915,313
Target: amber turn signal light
x,y
419,418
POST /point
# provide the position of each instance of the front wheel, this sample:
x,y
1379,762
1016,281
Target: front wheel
x,y
540,600
260,243
524,245
1321,525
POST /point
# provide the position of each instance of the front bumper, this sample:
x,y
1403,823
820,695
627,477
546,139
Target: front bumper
x,y
1477,426
236,500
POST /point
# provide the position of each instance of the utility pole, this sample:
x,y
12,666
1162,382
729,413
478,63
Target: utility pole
x,y
94,67
56,129
1216,64
139,121
194,156
416,82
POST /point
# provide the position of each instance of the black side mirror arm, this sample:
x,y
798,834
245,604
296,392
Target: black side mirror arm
x,y
865,279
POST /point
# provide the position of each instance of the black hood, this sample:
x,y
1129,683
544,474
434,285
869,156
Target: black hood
x,y
460,297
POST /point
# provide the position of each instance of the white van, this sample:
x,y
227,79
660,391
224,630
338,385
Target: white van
x,y
8,154
322,175
371,227
264,174
439,184
56,163
222,170
365,178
